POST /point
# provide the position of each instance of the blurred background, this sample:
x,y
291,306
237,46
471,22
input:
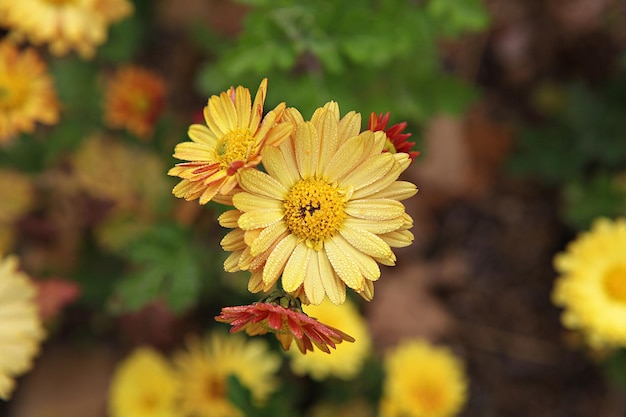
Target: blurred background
x,y
518,108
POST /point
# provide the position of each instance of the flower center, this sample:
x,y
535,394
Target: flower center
x,y
59,2
314,210
428,397
12,94
236,145
615,284
215,388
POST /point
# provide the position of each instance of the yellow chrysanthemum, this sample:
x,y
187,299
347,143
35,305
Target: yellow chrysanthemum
x,y
207,364
422,381
592,283
144,385
134,100
347,359
27,94
327,210
65,25
21,331
232,141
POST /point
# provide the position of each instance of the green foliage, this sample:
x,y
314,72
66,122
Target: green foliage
x,y
165,266
381,56
615,368
580,149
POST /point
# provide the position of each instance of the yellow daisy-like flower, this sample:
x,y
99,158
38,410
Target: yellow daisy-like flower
x,y
346,361
135,99
144,385
65,25
27,94
327,210
232,141
592,283
422,381
21,331
207,364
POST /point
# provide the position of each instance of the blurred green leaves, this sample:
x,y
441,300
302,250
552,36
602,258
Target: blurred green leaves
x,y
580,149
164,265
366,55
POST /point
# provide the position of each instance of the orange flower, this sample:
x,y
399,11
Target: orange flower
x,y
232,140
27,95
396,140
135,98
283,316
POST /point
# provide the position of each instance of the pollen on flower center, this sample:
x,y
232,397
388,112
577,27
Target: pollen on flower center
x,y
615,283
60,2
215,388
236,145
428,397
314,210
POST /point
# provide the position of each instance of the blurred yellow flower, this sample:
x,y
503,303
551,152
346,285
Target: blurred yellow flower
x,y
65,25
16,194
422,381
327,210
134,100
27,94
232,141
592,283
348,358
144,385
21,331
207,364
107,169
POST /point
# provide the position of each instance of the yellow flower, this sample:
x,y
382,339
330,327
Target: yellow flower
x,y
63,24
422,381
235,134
21,331
135,98
207,364
116,177
327,210
592,283
347,360
144,385
27,94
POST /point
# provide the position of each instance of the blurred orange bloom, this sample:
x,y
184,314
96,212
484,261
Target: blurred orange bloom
x,y
135,98
27,94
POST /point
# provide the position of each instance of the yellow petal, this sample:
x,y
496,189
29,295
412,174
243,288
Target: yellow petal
x,y
276,261
307,147
344,160
259,218
350,125
381,183
190,151
366,264
243,106
297,267
313,285
284,170
250,202
398,190
202,135
267,238
328,133
378,227
375,209
334,287
399,239
229,219
257,182
374,168
233,241
347,270
366,242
